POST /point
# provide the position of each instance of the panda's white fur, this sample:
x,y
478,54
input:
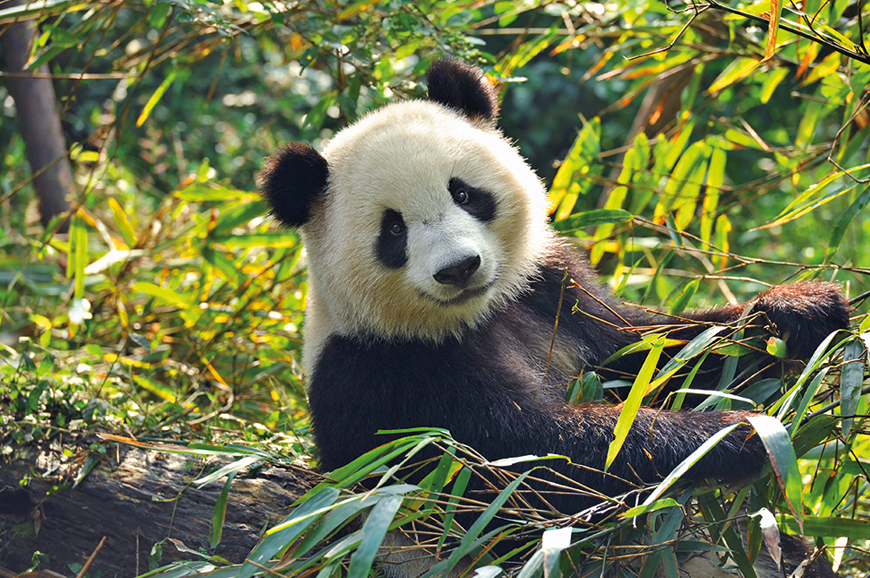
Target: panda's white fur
x,y
401,157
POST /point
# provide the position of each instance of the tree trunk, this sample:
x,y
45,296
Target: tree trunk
x,y
38,122
135,499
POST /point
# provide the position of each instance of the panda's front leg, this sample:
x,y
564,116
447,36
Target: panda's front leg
x,y
658,442
803,314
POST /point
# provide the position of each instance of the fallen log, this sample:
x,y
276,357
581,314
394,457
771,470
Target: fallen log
x,y
142,502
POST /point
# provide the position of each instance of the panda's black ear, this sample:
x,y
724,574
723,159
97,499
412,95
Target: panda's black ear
x,y
291,180
464,88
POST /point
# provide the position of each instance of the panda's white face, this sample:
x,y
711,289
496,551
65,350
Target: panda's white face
x,y
429,221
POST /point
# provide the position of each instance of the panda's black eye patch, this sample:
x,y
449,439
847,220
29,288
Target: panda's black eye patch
x,y
478,203
391,247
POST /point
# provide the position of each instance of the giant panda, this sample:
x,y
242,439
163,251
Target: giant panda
x,y
434,286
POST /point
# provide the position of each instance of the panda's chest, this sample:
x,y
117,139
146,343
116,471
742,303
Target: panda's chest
x,y
530,347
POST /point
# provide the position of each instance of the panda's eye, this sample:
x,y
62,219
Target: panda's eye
x,y
397,228
479,203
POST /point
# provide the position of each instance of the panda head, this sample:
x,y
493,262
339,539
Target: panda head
x,y
419,220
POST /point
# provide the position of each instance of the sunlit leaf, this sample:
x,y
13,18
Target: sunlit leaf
x,y
738,69
629,409
778,444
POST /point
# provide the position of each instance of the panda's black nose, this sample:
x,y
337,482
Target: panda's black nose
x,y
458,273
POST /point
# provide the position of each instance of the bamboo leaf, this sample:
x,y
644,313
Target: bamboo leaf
x,y
444,567
592,218
778,444
687,464
839,230
122,223
632,403
771,82
255,240
175,74
740,68
832,527
685,297
715,180
161,293
582,156
374,530
851,380
772,29
220,513
291,528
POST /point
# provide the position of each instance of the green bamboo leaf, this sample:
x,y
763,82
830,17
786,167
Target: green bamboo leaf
x,y
685,297
645,508
851,380
444,567
774,78
809,394
209,192
90,463
738,69
814,432
688,197
832,527
778,444
237,216
175,74
230,469
570,180
689,351
374,530
807,125
776,347
645,344
224,267
459,487
713,511
161,293
78,255
635,397
325,526
666,532
839,230
668,152
291,528
123,224
220,513
687,464
317,114
592,218
680,185
155,387
256,240
715,180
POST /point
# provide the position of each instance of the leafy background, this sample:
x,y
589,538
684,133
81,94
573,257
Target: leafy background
x,y
174,310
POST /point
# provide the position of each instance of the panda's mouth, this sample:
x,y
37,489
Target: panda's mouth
x,y
465,295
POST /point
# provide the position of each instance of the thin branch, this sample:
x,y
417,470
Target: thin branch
x,y
791,28
697,12
865,100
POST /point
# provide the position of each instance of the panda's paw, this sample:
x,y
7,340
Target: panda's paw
x,y
804,314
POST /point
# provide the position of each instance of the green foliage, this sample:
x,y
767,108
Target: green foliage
x,y
174,310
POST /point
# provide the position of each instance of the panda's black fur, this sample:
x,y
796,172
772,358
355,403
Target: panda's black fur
x,y
483,381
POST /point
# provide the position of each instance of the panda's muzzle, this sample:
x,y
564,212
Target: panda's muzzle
x,y
459,273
